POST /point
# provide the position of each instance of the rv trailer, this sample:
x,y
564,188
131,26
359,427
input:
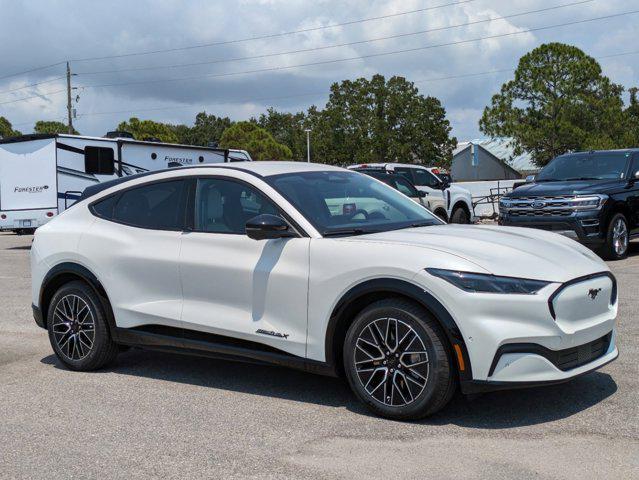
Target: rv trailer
x,y
42,175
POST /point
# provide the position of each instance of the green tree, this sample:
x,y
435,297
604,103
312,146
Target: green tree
x,y
6,129
558,101
257,141
207,129
146,129
632,118
52,127
286,128
378,120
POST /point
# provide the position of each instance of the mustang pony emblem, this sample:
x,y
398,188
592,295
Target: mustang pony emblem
x,y
593,292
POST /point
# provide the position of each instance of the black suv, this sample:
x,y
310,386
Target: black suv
x,y
592,197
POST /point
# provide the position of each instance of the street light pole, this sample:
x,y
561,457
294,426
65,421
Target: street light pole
x,y
308,144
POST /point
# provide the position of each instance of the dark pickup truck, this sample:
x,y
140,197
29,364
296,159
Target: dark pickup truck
x,y
592,197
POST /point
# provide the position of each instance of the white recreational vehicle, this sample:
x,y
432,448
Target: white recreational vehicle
x,y
42,175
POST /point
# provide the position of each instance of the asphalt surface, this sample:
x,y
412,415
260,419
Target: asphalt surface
x,y
170,416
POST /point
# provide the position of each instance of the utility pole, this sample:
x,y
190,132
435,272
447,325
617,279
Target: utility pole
x,y
308,145
69,107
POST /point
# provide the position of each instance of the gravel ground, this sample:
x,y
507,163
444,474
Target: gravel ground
x,y
170,416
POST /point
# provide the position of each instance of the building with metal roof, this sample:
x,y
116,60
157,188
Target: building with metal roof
x,y
490,159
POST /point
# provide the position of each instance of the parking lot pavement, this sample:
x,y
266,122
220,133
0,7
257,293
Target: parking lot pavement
x,y
162,415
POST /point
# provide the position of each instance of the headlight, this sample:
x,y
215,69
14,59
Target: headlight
x,y
483,283
504,204
588,202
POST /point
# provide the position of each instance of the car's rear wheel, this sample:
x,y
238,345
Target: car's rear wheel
x,y
617,238
78,328
397,362
441,213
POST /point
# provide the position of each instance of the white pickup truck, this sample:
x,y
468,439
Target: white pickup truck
x,y
450,202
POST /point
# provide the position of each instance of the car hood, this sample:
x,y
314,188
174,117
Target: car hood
x,y
457,189
563,188
507,251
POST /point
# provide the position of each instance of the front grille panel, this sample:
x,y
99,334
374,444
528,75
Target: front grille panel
x,y
543,206
540,213
576,357
564,360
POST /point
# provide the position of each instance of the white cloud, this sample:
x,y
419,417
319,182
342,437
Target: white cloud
x,y
40,33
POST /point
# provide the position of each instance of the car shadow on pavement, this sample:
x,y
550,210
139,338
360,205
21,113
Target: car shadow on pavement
x,y
528,406
498,410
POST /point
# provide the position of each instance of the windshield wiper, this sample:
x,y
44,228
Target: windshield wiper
x,y
581,178
347,231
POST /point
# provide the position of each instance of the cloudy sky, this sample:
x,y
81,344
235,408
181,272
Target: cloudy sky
x,y
225,82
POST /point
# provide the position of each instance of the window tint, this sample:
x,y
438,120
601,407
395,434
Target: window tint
x,y
104,208
585,166
346,203
224,206
406,173
425,178
159,205
405,187
99,160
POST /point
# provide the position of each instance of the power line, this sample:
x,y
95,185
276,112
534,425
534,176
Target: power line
x,y
324,92
325,47
43,96
32,85
274,35
361,57
32,70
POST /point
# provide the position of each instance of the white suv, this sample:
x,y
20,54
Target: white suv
x,y
452,203
322,269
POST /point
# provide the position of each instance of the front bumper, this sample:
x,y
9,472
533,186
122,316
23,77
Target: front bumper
x,y
37,316
533,369
516,341
584,226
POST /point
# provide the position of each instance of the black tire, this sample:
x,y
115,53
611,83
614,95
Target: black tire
x,y
81,340
460,215
441,214
439,384
616,248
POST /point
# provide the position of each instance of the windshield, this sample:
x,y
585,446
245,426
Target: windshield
x,y
585,166
398,182
349,203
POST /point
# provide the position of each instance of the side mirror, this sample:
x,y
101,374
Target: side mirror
x,y
421,193
530,178
636,175
267,227
444,185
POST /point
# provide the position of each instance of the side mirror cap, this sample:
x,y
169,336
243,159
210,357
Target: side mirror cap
x,y
530,178
421,193
636,176
267,227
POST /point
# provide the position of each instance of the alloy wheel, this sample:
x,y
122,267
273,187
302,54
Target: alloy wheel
x,y
391,362
620,236
73,327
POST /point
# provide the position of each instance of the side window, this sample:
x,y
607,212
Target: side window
x,y
404,187
104,208
99,161
406,173
425,178
159,206
635,166
224,206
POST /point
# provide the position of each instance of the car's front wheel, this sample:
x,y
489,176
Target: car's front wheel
x,y
397,362
617,238
78,328
460,215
